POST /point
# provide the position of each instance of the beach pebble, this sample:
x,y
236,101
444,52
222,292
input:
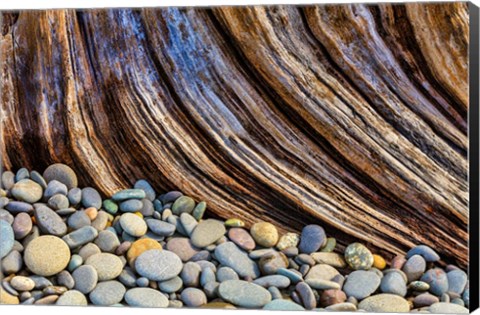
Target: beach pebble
x,y
283,305
12,263
46,255
171,285
62,173
88,250
158,265
271,262
183,204
193,297
228,254
128,194
78,220
332,296
86,278
80,237
107,241
74,196
7,236
131,205
55,188
358,257
331,259
65,279
384,303
457,281
447,308
140,246
288,240
242,238
306,295
18,206
244,294
182,247
393,283
21,283
426,252
133,224
27,190
414,267
277,281
322,272
312,239
145,297
191,274
147,188
320,284
361,284
107,293
207,232
108,266
188,223
72,298
425,299
49,222
437,279
226,273
265,234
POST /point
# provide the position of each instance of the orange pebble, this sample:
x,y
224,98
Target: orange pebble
x,y
379,262
34,221
92,213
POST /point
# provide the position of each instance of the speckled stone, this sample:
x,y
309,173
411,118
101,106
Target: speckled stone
x,y
207,232
47,255
140,246
62,173
332,259
108,266
7,236
265,234
27,190
72,298
145,297
86,278
49,222
158,265
358,257
133,224
312,239
107,293
385,303
228,254
288,240
437,279
244,294
21,283
361,284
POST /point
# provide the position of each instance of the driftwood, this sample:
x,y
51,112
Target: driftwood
x,y
351,117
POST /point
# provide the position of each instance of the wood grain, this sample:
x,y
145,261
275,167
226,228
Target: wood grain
x,y
353,117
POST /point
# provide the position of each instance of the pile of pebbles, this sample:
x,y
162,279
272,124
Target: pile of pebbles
x,y
65,245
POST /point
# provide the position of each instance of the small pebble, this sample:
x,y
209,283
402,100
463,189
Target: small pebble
x,y
265,234
158,265
107,293
244,294
358,257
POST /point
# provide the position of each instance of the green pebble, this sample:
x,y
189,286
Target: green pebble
x,y
419,286
199,210
234,223
330,245
183,204
110,206
129,194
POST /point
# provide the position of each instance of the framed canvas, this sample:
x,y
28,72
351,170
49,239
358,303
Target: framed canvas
x,y
277,157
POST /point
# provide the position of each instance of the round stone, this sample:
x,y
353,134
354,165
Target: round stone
x,y
107,241
288,240
182,247
8,238
161,228
393,283
108,266
140,246
193,297
358,257
312,239
191,274
172,285
228,254
226,273
49,222
244,294
329,245
283,305
61,173
27,190
425,299
265,234
74,196
379,262
72,298
332,296
385,303
414,267
426,252
91,198
437,279
55,188
21,283
107,293
322,272
207,232
457,281
131,205
270,263
86,278
147,188
158,265
183,204
133,224
12,263
361,284
447,308
78,220
242,238
46,255
145,297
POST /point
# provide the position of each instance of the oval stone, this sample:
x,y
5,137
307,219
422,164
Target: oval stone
x,y
158,265
361,284
131,205
47,255
91,198
133,224
8,238
86,278
265,234
161,228
49,222
385,303
393,283
129,194
457,281
140,246
147,188
283,305
207,232
426,252
193,297
72,298
437,279
242,238
81,236
228,254
414,267
358,257
183,204
313,237
108,266
277,281
62,173
447,308
27,190
107,293
145,297
244,294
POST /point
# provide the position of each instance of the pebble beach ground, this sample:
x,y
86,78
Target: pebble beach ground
x,y
66,245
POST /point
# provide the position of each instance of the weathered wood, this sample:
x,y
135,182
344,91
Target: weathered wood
x,y
352,117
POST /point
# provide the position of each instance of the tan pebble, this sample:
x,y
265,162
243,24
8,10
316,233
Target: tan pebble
x,y
265,234
92,213
140,246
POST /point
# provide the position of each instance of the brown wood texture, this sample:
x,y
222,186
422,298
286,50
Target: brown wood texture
x,y
353,117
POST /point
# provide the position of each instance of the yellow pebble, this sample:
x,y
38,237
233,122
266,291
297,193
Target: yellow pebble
x,y
92,213
379,262
109,224
234,223
139,214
